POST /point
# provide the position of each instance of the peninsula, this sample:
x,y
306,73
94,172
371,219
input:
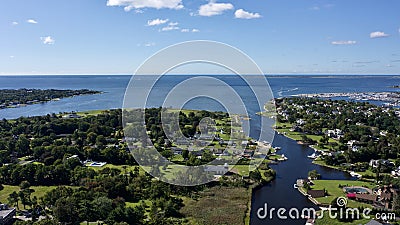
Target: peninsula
x,y
11,98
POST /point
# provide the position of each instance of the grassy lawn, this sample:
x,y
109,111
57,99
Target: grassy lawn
x,y
322,163
274,157
177,158
120,167
218,205
368,172
243,170
148,204
332,186
285,129
40,191
91,112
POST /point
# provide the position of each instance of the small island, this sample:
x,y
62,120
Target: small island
x,y
11,98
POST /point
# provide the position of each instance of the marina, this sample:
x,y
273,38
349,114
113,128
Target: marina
x,y
390,99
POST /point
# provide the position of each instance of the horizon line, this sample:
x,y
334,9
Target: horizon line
x,y
218,74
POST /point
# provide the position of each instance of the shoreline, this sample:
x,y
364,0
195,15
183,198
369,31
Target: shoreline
x,y
312,147
4,106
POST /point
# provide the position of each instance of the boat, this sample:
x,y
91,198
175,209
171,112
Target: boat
x,y
277,148
283,158
313,156
354,174
295,186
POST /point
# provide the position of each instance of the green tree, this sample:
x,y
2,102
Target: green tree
x,y
313,174
66,211
13,199
103,206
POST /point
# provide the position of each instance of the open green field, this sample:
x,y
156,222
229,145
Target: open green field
x,y
332,186
218,205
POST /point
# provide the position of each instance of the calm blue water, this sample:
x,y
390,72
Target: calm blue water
x,y
280,193
114,88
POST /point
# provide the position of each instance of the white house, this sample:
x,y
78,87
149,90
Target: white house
x,y
217,169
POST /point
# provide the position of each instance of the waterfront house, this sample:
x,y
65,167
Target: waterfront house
x,y
301,182
374,163
316,193
300,122
71,116
336,133
296,129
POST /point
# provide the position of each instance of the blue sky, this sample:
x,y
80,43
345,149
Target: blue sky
x,y
283,37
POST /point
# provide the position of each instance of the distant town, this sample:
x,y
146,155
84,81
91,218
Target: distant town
x,y
389,98
357,137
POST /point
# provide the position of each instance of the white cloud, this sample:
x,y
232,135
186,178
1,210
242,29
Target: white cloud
x,y
213,9
156,22
378,34
241,14
139,4
326,6
171,26
32,21
14,23
48,40
344,42
139,11
194,30
149,44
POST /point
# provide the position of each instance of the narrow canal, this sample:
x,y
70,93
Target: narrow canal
x,y
280,193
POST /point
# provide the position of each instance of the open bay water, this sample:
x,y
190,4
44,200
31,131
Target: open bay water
x,y
114,89
279,193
